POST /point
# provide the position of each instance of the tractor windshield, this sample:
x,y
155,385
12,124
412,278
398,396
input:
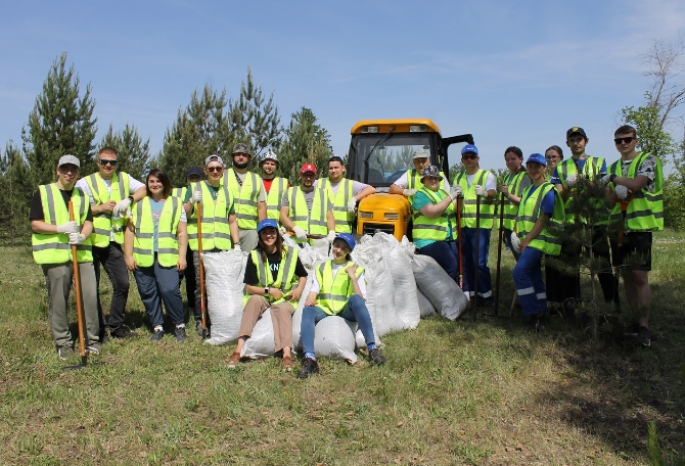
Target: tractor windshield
x,y
389,160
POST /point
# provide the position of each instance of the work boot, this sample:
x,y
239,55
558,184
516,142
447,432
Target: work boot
x,y
180,334
643,336
157,335
122,332
65,352
93,348
309,368
376,356
198,327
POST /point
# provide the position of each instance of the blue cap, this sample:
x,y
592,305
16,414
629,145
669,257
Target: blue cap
x,y
469,148
266,223
349,239
537,158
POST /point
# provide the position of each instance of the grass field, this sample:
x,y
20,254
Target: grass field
x,y
485,392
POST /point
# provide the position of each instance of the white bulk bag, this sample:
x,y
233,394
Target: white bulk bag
x,y
261,344
445,295
425,306
335,338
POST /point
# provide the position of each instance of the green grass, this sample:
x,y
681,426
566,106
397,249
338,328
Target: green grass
x,y
452,393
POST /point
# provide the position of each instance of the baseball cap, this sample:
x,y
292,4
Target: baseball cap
x,y
68,160
537,158
432,171
308,168
266,223
576,130
214,158
469,148
421,154
241,148
268,155
194,171
349,239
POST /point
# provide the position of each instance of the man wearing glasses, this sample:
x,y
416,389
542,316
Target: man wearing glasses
x,y
111,194
565,177
219,226
249,195
637,180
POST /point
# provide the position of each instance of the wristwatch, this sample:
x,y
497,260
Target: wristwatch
x,y
266,291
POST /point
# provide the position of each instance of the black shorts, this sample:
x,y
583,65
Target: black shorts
x,y
636,251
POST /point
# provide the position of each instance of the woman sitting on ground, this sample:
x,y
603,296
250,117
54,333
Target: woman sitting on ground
x,y
274,279
155,244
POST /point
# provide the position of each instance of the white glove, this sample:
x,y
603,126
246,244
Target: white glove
x,y
196,197
622,192
236,247
300,233
352,205
480,191
456,192
121,208
515,242
69,227
76,238
606,179
283,231
571,180
409,192
331,236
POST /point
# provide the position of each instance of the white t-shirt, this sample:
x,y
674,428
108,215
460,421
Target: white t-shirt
x,y
316,287
403,181
357,186
490,181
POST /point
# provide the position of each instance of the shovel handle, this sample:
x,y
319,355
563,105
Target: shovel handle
x,y
77,289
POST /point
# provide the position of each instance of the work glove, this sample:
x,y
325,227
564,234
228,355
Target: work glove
x,y
69,227
236,247
331,236
352,206
571,180
621,192
409,192
515,242
121,208
196,197
606,179
456,192
76,238
480,191
283,231
300,233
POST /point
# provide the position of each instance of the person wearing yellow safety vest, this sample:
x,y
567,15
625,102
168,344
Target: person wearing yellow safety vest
x,y
249,196
111,194
155,247
274,279
193,175
219,225
52,240
553,155
274,185
475,183
540,206
338,289
637,179
514,183
343,193
410,181
306,210
434,226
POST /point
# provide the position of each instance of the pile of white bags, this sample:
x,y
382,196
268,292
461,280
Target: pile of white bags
x,y
444,294
425,306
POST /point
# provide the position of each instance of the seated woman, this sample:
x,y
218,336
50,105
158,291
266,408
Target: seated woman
x,y
434,231
155,244
274,279
540,206
340,287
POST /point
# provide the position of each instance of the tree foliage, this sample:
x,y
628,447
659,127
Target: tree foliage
x,y
305,141
16,190
133,153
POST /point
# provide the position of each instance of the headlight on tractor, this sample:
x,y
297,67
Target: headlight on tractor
x,y
391,216
365,214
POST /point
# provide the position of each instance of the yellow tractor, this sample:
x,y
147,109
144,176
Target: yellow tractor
x,y
380,152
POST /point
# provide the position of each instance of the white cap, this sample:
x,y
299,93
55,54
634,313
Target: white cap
x,y
214,158
69,160
268,155
421,154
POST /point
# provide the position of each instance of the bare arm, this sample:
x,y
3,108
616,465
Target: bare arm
x,y
634,184
233,226
330,220
369,190
87,228
535,231
394,189
39,226
261,210
182,237
436,210
129,238
139,194
285,220
353,278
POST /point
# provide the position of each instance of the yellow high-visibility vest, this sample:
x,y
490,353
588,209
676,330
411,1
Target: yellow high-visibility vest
x,y
342,197
245,197
167,230
216,232
103,224
334,292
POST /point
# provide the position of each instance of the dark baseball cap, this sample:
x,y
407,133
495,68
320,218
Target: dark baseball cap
x,y
576,130
194,171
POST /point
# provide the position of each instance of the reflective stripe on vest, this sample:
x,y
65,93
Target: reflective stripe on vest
x,y
167,229
54,248
530,210
103,224
645,210
286,269
510,209
334,293
433,228
487,206
342,197
273,199
244,197
179,192
314,223
591,170
216,232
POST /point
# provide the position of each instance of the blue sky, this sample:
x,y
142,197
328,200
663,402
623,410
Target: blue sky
x,y
511,73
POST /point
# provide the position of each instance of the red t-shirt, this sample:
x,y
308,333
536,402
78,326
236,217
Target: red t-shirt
x,y
267,185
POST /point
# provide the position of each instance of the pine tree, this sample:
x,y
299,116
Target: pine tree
x,y
133,154
61,123
305,141
16,190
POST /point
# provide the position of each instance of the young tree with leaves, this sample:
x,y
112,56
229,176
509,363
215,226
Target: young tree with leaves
x,y
133,153
305,141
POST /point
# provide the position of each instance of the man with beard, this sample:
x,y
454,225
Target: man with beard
x,y
273,185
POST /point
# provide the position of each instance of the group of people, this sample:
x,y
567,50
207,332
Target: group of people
x,y
453,224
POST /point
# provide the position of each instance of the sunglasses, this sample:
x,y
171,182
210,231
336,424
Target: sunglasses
x,y
627,140
104,162
215,169
469,157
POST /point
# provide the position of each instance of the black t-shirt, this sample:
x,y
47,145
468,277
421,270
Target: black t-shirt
x,y
274,261
37,205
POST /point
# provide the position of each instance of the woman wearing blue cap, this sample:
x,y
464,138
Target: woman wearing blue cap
x,y
274,279
541,209
340,289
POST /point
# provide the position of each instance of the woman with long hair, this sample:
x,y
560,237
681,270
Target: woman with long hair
x,y
512,187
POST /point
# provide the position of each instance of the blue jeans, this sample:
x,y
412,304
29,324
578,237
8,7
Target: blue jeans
x,y
468,249
527,275
355,311
446,254
157,284
506,236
